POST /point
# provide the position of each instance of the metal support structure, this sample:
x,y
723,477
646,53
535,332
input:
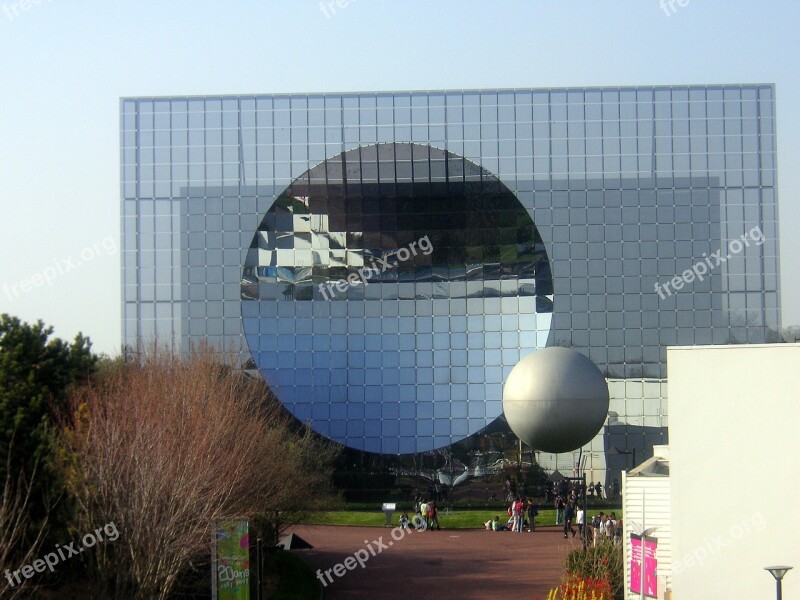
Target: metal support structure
x,y
585,507
644,534
259,568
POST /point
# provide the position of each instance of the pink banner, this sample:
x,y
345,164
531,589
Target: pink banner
x,y
650,565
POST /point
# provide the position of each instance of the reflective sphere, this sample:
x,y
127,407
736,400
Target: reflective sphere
x,y
555,400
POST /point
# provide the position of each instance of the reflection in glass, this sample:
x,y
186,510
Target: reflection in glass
x,y
408,255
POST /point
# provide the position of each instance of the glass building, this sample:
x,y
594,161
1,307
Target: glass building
x,y
385,259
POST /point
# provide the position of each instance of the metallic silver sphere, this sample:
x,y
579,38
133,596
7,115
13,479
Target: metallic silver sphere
x,y
555,400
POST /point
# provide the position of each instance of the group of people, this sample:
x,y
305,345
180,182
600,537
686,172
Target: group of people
x,y
593,490
511,491
561,488
606,527
602,525
569,512
426,513
521,517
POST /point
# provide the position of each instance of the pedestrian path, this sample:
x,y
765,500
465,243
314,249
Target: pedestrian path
x,y
458,563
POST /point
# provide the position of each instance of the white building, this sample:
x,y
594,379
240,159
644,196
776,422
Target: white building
x,y
734,469
646,503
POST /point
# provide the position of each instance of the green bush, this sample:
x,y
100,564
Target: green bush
x,y
289,577
603,561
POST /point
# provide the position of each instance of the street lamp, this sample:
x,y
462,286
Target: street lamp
x,y
778,573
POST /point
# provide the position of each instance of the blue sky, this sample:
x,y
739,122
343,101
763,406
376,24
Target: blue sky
x,y
64,66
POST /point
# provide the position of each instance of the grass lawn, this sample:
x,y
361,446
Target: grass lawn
x,y
461,519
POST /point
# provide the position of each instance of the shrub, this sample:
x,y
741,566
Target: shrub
x,y
603,562
575,587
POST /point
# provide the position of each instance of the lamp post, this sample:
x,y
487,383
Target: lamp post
x,y
644,534
259,568
778,572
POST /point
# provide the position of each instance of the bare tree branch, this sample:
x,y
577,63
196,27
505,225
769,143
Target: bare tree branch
x,y
167,448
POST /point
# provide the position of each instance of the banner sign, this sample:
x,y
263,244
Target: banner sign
x,y
230,561
650,566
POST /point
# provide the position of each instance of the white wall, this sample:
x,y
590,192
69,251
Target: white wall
x,y
655,491
734,442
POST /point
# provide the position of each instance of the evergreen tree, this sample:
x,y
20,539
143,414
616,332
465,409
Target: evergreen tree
x,y
36,371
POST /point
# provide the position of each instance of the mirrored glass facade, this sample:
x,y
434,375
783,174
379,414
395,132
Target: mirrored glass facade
x,y
573,217
418,281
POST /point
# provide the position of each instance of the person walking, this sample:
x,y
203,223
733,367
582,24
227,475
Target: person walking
x,y
533,511
611,526
580,520
434,515
569,515
603,527
559,506
423,510
596,522
516,516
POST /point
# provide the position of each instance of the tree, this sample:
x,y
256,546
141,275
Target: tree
x,y
167,447
36,372
14,529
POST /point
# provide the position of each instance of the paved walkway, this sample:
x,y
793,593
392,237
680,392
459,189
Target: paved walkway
x,y
458,563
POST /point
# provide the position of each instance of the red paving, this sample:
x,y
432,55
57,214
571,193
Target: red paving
x,y
458,563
